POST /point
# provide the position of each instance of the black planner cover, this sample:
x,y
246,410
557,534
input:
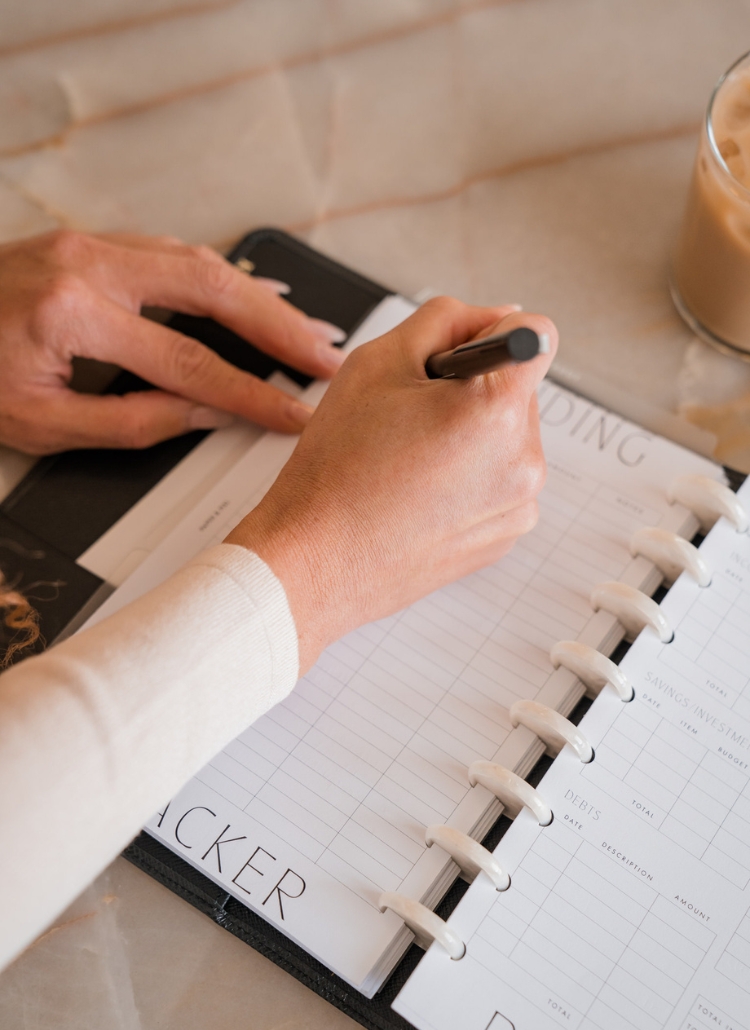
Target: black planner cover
x,y
68,501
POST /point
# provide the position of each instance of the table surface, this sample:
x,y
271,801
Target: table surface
x,y
535,151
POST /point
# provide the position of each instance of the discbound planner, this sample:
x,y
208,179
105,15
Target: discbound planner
x,y
316,816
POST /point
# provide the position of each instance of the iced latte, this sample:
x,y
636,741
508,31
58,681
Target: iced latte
x,y
711,274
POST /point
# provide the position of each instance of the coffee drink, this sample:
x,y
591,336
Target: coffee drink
x,y
711,270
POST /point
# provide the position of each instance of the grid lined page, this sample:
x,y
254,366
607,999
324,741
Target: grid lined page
x,y
634,902
713,652
696,796
615,951
734,962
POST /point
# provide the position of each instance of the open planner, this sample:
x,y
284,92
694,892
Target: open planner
x,y
343,816
328,833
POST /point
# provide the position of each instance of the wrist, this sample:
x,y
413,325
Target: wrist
x,y
301,569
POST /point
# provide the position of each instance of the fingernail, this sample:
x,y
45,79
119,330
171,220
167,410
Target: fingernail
x,y
326,331
299,413
331,358
513,307
209,418
274,285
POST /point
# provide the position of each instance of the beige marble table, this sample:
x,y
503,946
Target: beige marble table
x,y
535,151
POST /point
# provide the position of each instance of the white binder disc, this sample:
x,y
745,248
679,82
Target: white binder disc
x,y
554,729
632,608
468,854
670,553
514,792
424,924
708,500
591,667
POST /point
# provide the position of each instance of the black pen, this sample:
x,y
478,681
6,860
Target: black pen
x,y
479,357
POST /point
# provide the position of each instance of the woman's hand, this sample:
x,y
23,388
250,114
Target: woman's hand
x,y
400,483
66,295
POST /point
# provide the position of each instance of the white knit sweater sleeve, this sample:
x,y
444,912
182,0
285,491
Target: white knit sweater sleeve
x,y
101,730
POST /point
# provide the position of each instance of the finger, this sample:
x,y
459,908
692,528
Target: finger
x,y
174,243
524,375
65,420
198,281
184,367
442,324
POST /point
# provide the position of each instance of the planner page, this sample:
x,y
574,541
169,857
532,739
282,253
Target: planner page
x,y
631,911
322,804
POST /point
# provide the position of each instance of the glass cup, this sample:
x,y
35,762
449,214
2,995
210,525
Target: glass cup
x,y
711,268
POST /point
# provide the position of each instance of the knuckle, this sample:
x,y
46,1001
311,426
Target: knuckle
x,y
135,429
62,297
527,479
505,411
202,252
512,410
213,274
508,393
534,476
67,247
444,306
521,477
138,435
363,365
528,517
363,355
190,360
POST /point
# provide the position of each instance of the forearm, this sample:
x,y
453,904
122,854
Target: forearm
x,y
101,730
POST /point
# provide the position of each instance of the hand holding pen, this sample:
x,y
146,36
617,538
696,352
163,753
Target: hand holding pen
x,y
489,353
400,483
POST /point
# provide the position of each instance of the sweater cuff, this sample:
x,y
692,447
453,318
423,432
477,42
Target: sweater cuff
x,y
251,574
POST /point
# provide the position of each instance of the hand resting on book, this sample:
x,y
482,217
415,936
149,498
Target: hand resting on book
x,y
400,483
65,295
